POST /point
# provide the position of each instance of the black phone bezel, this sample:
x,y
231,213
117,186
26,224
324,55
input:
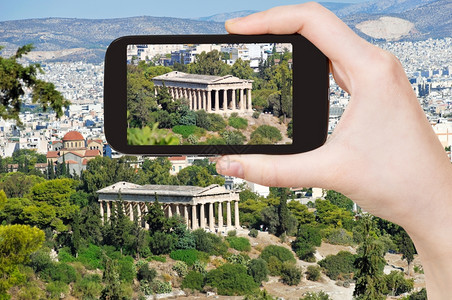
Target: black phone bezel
x,y
310,96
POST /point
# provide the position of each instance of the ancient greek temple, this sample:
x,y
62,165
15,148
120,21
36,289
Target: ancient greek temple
x,y
211,93
201,207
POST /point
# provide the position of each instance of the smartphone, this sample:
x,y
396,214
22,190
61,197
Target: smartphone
x,y
215,94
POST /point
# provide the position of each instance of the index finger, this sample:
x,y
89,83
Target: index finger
x,y
319,25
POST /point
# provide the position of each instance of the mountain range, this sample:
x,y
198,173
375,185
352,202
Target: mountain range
x,y
65,39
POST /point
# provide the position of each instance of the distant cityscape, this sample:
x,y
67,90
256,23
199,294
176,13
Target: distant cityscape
x,y
427,64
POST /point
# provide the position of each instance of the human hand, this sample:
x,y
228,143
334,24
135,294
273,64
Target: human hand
x,y
383,154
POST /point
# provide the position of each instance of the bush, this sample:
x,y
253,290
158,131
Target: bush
x,y
338,236
180,268
187,130
162,243
281,253
161,287
267,132
339,264
231,279
308,238
217,122
290,274
60,272
209,242
40,260
313,273
274,266
253,233
257,269
200,267
55,289
91,257
238,259
189,256
397,284
126,269
89,287
316,296
232,233
64,255
421,295
145,273
239,243
238,122
193,281
256,114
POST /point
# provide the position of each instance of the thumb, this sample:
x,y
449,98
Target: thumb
x,y
308,169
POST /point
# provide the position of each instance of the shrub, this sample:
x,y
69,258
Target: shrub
x,y
239,243
231,279
145,273
290,274
253,233
232,233
316,296
238,122
180,268
187,130
238,259
159,258
274,266
161,287
421,295
193,281
200,267
189,256
126,269
267,132
209,242
217,122
40,260
308,238
338,236
64,255
397,284
162,243
91,257
61,272
257,269
281,253
256,114
313,273
339,264
55,289
89,287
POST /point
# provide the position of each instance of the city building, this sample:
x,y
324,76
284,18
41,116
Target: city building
x,y
197,205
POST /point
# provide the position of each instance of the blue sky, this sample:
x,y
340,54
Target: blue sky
x,y
97,9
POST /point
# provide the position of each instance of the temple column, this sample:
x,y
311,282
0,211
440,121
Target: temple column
x,y
199,99
234,107
220,216
217,100
241,99
155,91
186,217
209,101
190,104
108,210
236,215
204,100
248,98
139,214
130,211
194,219
211,217
146,225
101,212
177,210
170,211
202,216
225,99
228,215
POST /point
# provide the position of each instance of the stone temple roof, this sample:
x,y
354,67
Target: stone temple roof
x,y
162,190
177,76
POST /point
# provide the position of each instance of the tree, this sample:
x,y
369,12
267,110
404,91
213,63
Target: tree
x,y
198,176
112,289
257,268
18,184
209,63
17,242
284,216
15,78
406,247
242,69
339,200
369,264
156,171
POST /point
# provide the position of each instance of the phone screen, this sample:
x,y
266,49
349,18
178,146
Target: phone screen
x,y
209,94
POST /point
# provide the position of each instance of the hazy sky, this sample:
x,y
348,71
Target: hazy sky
x,y
97,9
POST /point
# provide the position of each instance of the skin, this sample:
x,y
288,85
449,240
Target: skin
x,y
383,154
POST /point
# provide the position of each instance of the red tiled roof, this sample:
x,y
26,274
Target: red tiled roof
x,y
99,141
177,158
85,162
40,165
52,154
71,162
73,136
91,153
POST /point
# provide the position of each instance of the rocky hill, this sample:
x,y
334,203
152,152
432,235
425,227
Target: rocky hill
x,y
87,39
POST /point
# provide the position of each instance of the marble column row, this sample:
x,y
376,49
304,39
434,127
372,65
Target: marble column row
x,y
235,99
193,219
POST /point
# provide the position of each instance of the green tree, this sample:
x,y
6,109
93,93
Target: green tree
x,y
17,242
112,289
231,279
198,176
209,63
18,184
15,78
257,268
369,264
242,69
406,247
339,200
156,171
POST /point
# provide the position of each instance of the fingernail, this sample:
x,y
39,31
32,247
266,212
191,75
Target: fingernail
x,y
226,166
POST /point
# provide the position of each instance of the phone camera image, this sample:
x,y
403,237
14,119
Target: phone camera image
x,y
215,94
